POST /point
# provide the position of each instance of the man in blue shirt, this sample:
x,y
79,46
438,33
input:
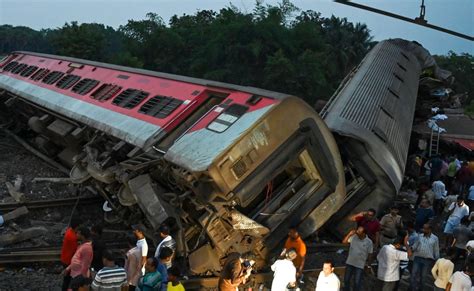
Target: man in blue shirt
x,y
424,214
164,259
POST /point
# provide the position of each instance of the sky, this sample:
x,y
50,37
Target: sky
x,y
457,15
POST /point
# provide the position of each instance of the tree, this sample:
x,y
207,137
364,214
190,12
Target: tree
x,y
462,67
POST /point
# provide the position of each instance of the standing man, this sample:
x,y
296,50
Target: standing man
x,y
165,257
142,245
152,279
237,269
370,223
98,247
69,248
442,270
452,169
440,193
132,263
424,213
410,241
360,253
294,241
284,272
470,197
327,280
425,251
82,259
462,234
461,281
389,259
166,241
391,224
111,277
464,176
458,210
436,164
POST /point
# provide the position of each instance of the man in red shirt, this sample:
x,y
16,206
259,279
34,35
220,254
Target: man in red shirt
x,y
69,248
82,259
370,223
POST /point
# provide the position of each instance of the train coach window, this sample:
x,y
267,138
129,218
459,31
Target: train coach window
x,y
160,106
105,92
18,69
227,118
38,75
67,81
52,77
10,66
84,86
28,71
130,98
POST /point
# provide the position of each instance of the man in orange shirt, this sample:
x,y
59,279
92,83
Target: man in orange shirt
x,y
294,241
69,248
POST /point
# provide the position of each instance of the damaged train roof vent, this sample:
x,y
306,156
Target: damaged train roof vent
x,y
160,106
52,77
67,81
28,71
19,68
10,66
130,98
84,86
38,75
105,92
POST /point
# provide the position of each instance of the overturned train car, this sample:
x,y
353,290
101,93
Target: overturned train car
x,y
229,167
371,117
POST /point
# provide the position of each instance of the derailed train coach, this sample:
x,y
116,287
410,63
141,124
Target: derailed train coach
x,y
229,167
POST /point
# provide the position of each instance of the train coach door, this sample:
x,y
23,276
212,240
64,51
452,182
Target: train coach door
x,y
295,179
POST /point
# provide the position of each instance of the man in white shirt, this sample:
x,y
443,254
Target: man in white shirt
x,y
166,241
442,270
461,281
284,272
459,210
389,259
327,280
138,231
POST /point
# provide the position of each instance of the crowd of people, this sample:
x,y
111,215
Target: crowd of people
x,y
405,245
439,191
89,265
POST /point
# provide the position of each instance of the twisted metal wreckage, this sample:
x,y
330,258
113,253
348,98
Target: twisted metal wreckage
x,y
229,167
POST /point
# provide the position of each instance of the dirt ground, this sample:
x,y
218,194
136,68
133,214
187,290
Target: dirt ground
x,y
17,162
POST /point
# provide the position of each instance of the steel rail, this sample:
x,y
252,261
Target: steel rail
x,y
38,204
45,253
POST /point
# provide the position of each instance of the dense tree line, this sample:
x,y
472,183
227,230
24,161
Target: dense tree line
x,y
274,47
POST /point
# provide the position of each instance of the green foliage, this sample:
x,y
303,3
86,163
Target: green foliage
x,y
462,67
22,38
275,47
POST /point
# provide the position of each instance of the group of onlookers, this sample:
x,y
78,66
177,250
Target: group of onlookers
x,y
395,247
89,265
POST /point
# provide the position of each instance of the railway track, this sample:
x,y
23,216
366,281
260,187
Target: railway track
x,y
45,253
38,204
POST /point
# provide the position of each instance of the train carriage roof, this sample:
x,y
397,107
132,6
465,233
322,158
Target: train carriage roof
x,y
192,80
138,129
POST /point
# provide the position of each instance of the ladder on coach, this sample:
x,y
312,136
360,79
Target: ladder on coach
x,y
434,142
